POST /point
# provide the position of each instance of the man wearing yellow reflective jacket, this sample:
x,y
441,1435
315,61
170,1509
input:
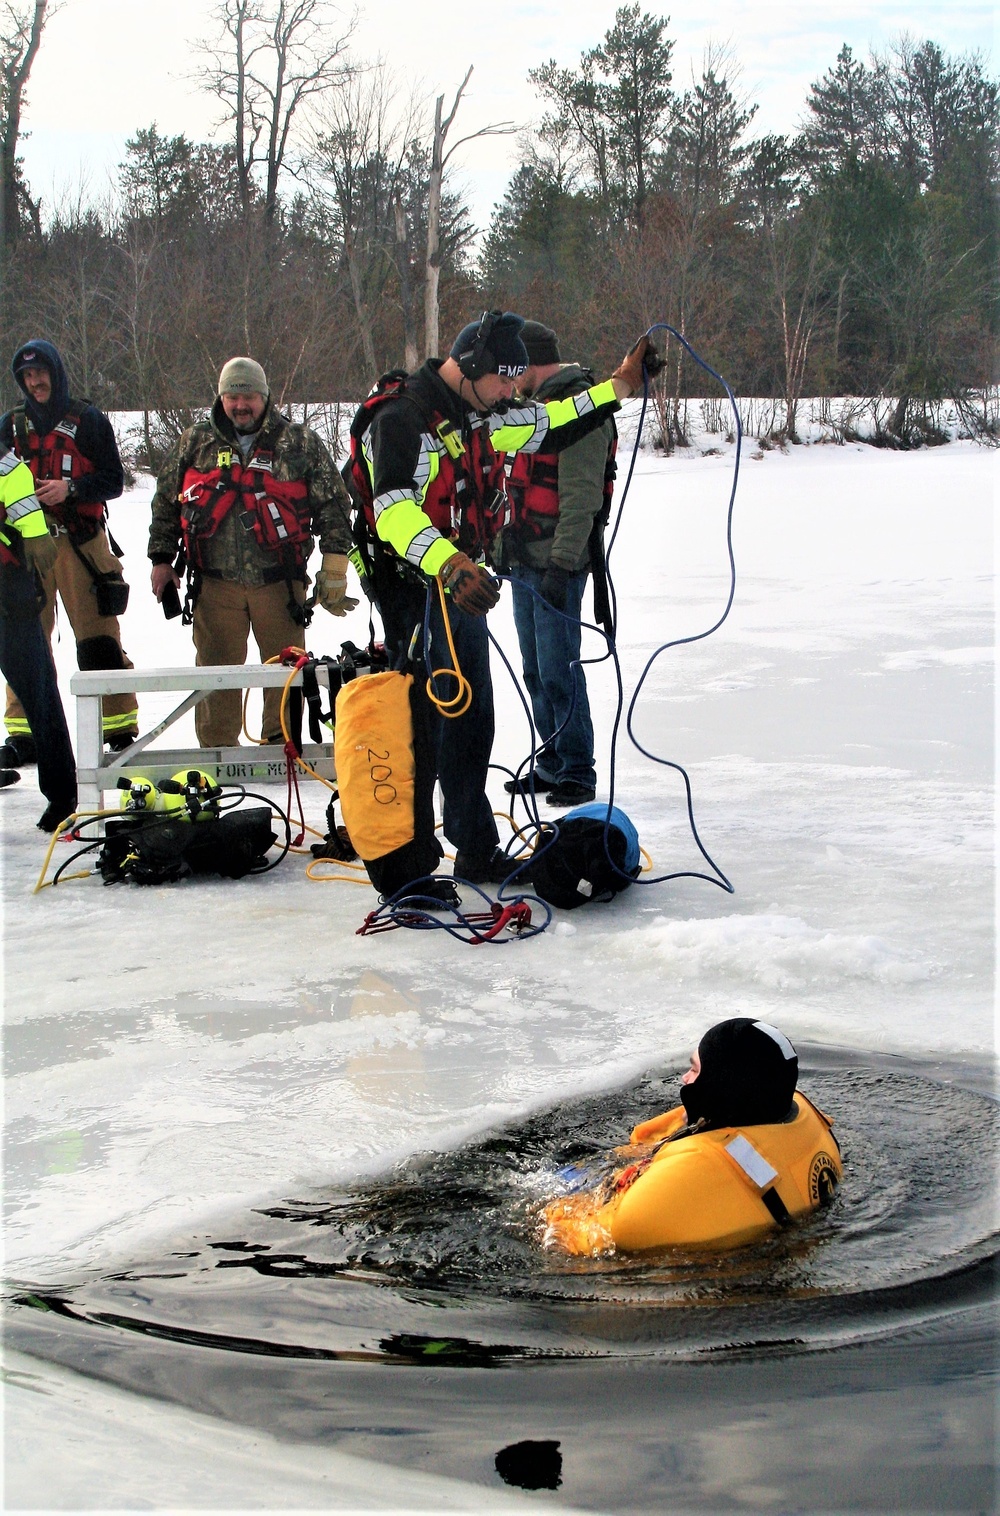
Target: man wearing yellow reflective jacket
x,y
427,463
27,553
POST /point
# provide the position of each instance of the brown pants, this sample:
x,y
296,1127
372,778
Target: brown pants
x,y
223,617
75,588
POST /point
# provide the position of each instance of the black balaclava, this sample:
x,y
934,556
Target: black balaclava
x,y
748,1075
41,354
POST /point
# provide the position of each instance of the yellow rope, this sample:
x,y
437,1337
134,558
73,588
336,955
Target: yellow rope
x,y
342,863
286,691
62,827
462,699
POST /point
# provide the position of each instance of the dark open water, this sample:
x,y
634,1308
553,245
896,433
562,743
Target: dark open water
x,y
847,1363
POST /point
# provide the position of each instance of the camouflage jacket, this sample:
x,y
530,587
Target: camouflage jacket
x,y
233,553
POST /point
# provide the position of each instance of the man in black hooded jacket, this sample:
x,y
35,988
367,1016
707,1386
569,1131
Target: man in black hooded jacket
x,y
71,450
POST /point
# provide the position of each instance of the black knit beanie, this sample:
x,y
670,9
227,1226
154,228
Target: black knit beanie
x,y
749,1071
541,343
504,352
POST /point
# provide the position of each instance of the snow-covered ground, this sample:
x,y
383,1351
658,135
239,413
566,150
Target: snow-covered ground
x,y
172,1052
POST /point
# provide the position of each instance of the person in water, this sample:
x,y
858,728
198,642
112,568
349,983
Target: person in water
x,y
742,1154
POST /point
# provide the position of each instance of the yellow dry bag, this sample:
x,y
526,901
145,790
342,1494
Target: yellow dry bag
x,y
376,769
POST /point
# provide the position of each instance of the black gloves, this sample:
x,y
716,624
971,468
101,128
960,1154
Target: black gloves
x,y
553,586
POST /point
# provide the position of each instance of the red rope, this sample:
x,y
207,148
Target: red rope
x,y
292,658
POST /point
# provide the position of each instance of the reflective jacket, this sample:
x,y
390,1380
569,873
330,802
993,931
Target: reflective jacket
x,y
458,475
435,464
554,497
20,513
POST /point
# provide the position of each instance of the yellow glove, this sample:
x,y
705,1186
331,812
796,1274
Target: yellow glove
x,y
331,585
40,553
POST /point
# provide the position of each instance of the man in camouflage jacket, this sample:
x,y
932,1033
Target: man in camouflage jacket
x,y
239,501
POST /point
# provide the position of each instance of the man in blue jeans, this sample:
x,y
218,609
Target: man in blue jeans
x,y
558,506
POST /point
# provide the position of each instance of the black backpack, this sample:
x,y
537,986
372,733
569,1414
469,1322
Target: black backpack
x,y
573,864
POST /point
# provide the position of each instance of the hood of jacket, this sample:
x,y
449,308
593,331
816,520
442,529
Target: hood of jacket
x,y
570,380
43,355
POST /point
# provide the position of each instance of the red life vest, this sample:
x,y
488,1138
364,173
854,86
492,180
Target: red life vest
x,y
275,510
56,456
465,502
533,493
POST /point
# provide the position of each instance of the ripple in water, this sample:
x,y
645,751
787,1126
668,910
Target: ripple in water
x,y
444,1255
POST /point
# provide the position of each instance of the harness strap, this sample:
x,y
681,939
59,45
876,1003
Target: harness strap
x,y
336,674
776,1206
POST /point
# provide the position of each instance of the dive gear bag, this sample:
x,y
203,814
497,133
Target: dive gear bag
x,y
573,862
153,847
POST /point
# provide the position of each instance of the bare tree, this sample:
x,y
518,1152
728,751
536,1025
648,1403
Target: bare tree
x,y
439,161
19,44
360,149
273,57
798,285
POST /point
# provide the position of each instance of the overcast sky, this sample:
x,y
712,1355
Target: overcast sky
x,y
108,67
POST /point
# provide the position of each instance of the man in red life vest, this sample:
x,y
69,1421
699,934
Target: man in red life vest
x,y
71,450
242,495
552,538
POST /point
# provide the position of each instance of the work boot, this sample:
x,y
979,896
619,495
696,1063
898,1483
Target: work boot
x,y
23,746
8,756
493,869
8,776
54,812
119,741
441,891
570,792
530,784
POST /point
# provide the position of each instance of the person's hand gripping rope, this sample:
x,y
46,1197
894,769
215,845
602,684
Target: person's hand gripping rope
x,y
472,589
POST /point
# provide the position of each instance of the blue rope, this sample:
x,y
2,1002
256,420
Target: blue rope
x,y
717,877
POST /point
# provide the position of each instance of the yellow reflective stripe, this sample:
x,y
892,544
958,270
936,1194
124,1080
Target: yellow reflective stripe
x,y
603,393
17,726
16,481
524,435
511,439
400,519
437,556
32,524
400,524
121,723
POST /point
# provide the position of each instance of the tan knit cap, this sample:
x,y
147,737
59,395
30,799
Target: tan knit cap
x,y
242,376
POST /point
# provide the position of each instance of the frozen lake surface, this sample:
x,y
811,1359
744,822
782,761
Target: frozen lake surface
x,y
178,1055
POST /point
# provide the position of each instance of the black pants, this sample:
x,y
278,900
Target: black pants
x,y
461,745
26,664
